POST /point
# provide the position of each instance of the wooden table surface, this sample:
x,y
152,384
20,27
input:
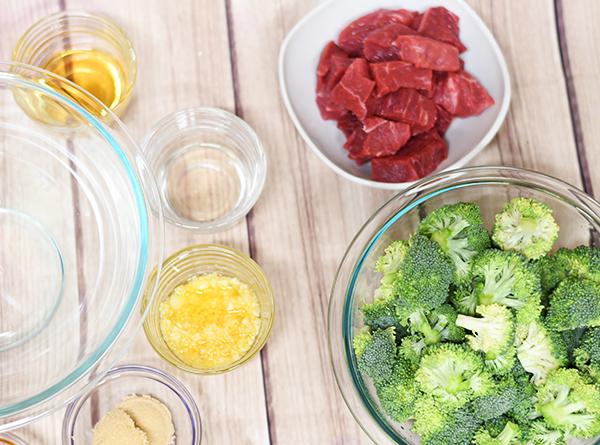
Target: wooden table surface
x,y
223,53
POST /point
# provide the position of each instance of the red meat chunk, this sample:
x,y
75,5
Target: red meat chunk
x,y
352,37
419,157
348,123
383,138
391,76
354,145
379,44
408,106
441,24
424,52
354,88
444,119
462,95
417,21
332,66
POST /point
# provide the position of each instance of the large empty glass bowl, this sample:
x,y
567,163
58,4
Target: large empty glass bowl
x,y
77,240
577,214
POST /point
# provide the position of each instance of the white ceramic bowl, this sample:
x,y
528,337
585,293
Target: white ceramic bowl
x,y
299,56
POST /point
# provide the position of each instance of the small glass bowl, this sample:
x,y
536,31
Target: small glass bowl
x,y
66,40
210,167
11,439
122,381
202,259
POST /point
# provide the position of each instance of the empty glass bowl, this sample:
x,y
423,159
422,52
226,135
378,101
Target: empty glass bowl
x,y
210,167
490,187
76,237
11,439
123,381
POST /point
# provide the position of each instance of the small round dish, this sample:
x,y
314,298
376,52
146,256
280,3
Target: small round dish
x,y
11,439
210,167
122,381
202,259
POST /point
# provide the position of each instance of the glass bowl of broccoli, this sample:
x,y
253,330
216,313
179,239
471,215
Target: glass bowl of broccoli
x,y
467,311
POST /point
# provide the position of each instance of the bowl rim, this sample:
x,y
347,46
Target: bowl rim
x,y
143,372
338,334
487,138
11,73
219,249
168,124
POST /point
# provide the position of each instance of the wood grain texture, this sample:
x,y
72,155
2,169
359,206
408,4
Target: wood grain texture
x,y
224,53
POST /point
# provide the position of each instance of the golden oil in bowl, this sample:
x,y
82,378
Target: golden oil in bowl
x,y
89,51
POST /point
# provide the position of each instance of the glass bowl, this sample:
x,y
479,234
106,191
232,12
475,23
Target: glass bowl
x,y
201,259
210,167
122,381
577,214
76,237
11,439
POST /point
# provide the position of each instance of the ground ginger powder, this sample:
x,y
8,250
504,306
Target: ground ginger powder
x,y
211,321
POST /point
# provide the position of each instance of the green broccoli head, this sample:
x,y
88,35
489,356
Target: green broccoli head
x,y
438,425
587,354
541,351
504,397
376,352
525,226
504,278
493,333
524,411
458,229
569,404
411,349
437,325
399,393
453,375
392,258
540,433
424,279
551,270
575,303
510,435
464,299
501,365
381,314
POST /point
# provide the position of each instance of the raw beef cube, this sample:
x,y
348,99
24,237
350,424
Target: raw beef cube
x,y
332,66
444,119
384,138
379,44
354,145
354,88
417,21
348,123
419,157
408,106
462,95
424,52
391,76
441,24
352,37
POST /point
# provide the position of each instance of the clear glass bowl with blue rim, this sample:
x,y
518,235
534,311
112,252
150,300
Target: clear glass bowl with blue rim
x,y
356,280
78,239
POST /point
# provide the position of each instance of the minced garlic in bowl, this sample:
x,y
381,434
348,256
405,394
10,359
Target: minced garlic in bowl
x,y
213,312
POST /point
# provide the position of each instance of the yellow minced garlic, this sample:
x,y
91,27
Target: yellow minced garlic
x,y
211,321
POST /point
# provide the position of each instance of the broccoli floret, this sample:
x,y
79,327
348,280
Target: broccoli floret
x,y
439,426
381,314
541,351
504,278
392,258
458,229
572,341
525,226
551,271
510,435
575,303
569,404
411,349
453,375
424,279
437,325
376,353
587,355
540,433
502,364
580,262
399,393
524,411
464,299
504,397
493,332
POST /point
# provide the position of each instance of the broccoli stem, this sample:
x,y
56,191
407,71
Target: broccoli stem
x,y
560,411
